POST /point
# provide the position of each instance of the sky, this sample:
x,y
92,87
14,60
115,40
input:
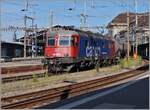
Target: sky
x,y
100,12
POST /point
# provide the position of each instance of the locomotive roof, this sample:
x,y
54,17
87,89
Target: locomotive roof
x,y
67,31
64,32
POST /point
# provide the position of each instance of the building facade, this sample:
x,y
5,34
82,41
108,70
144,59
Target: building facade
x,y
139,34
11,49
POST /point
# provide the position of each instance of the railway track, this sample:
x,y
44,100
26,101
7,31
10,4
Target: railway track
x,y
20,69
32,69
16,73
39,98
28,76
22,77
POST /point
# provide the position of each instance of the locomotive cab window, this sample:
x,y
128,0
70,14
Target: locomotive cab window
x,y
51,41
64,41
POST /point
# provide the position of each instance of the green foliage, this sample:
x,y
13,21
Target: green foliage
x,y
115,68
46,75
131,62
126,63
123,63
139,60
97,67
35,78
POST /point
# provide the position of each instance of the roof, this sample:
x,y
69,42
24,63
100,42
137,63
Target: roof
x,y
16,43
143,20
121,19
69,30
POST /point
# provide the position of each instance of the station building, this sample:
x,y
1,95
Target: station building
x,y
12,49
117,28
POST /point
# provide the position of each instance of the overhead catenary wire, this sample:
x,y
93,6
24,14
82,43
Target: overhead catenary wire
x,y
75,3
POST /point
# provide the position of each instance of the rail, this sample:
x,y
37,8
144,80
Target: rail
x,y
24,77
35,99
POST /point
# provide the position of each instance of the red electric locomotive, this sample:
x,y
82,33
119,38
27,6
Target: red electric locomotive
x,y
71,48
61,50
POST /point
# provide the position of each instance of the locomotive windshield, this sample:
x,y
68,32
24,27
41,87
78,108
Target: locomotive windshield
x,y
51,41
64,41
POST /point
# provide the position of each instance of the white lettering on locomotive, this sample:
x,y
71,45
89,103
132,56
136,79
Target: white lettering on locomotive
x,y
93,51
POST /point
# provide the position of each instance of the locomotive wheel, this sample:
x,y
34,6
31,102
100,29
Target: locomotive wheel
x,y
76,68
68,69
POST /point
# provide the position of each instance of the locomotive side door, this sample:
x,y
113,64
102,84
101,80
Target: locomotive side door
x,y
74,45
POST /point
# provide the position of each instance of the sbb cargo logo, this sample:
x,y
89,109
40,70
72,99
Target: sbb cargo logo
x,y
93,51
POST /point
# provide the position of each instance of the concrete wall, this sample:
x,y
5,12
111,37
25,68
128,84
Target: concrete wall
x,y
116,29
